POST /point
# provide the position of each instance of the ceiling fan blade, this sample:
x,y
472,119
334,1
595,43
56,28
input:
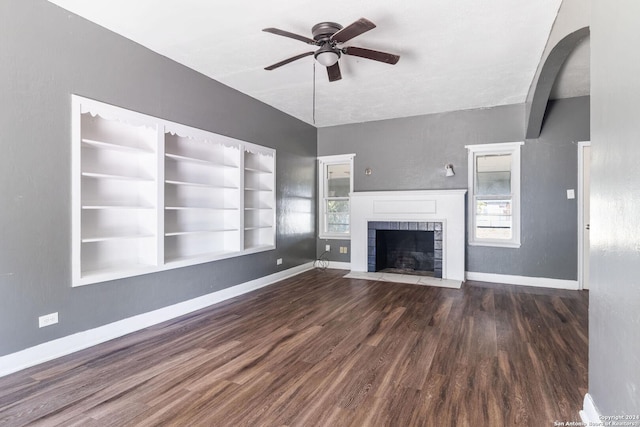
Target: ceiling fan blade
x,y
283,33
371,54
334,72
286,61
362,25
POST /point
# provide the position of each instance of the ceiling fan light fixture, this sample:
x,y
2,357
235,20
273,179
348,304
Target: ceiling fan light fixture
x,y
327,56
329,37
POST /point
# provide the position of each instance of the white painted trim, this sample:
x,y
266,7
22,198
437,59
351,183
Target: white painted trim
x,y
514,149
450,210
70,344
495,244
581,225
541,282
322,184
339,265
590,414
497,146
408,193
337,158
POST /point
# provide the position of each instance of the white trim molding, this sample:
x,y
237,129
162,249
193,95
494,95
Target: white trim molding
x,y
505,148
581,213
323,162
590,414
339,265
70,344
445,206
541,282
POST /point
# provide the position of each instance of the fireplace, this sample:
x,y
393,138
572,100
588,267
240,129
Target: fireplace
x,y
440,213
405,247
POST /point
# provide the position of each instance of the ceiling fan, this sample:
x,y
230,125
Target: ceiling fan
x,y
328,36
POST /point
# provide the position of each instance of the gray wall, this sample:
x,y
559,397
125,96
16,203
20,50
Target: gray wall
x,y
334,254
614,298
549,231
410,153
47,54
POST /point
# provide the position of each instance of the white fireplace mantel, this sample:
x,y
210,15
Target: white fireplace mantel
x,y
446,206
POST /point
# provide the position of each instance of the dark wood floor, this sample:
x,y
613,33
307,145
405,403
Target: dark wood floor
x,y
320,350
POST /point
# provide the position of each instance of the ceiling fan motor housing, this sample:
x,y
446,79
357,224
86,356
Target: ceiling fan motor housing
x,y
324,30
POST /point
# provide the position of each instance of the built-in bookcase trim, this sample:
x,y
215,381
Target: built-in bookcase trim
x,y
150,195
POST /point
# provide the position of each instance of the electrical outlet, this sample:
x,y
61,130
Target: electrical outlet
x,y
48,319
327,248
343,250
279,261
571,194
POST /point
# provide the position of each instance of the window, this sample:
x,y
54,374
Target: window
x,y
336,183
494,189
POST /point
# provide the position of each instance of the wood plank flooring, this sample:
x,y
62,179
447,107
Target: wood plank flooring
x,y
321,350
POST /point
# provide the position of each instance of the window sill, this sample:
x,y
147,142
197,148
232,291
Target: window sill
x,y
513,245
334,237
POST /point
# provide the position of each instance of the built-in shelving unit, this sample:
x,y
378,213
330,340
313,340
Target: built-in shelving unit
x,y
202,197
150,195
117,180
259,200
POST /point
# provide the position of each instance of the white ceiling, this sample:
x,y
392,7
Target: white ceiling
x,y
455,54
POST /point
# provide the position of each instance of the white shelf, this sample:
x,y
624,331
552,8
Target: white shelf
x,y
199,184
182,208
258,248
114,146
256,170
199,161
89,207
116,177
185,233
121,237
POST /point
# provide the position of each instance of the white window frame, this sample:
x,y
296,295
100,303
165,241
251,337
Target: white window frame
x,y
512,148
323,162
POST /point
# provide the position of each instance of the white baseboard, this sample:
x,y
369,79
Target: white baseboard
x,y
340,265
41,353
590,414
542,282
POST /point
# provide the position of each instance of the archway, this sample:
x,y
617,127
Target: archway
x,y
548,75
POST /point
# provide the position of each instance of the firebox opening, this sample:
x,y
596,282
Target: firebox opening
x,y
405,252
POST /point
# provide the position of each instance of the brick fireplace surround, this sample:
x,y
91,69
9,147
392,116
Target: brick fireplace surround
x,y
435,227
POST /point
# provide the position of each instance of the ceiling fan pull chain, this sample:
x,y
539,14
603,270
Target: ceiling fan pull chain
x,y
314,92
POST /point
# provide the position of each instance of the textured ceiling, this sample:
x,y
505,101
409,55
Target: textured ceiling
x,y
455,55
